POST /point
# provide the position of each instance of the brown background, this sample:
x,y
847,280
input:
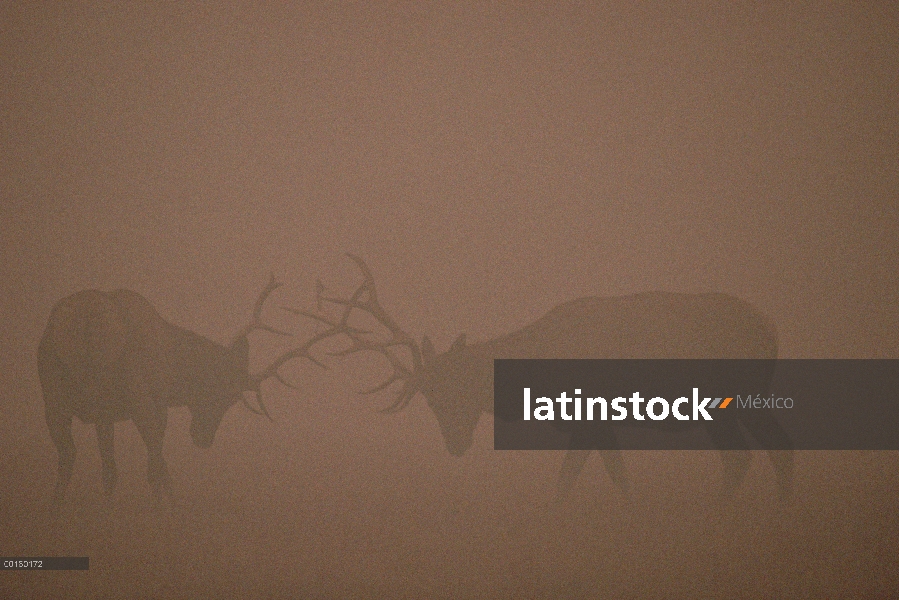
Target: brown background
x,y
488,162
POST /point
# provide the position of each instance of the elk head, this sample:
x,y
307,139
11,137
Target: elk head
x,y
229,379
456,384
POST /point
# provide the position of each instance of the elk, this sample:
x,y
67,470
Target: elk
x,y
107,357
458,384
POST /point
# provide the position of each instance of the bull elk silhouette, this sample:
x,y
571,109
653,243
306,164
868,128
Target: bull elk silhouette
x,y
458,384
109,356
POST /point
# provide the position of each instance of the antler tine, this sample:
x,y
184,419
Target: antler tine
x,y
319,288
322,319
264,410
359,344
400,372
270,287
367,274
256,322
402,401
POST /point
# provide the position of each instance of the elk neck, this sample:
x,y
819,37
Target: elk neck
x,y
197,363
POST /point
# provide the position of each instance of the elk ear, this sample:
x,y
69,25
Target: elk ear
x,y
427,350
459,344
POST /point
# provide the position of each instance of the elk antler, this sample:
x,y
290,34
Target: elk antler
x,y
272,369
365,298
256,322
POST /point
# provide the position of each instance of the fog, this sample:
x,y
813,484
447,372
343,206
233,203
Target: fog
x,y
488,162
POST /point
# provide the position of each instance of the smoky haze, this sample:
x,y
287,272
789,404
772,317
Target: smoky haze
x,y
489,162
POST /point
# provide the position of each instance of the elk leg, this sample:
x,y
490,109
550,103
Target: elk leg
x,y
157,471
152,431
572,465
611,455
765,428
105,439
736,464
150,416
782,461
735,454
58,418
614,463
60,426
577,455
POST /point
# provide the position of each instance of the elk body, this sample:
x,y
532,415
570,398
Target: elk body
x,y
458,384
109,356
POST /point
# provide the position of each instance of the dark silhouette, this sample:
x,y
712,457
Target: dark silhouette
x,y
458,384
109,356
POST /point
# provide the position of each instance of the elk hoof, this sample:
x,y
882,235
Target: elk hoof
x,y
625,488
158,497
727,495
161,491
109,482
59,496
785,495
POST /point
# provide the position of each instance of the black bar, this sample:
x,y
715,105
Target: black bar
x,y
44,563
